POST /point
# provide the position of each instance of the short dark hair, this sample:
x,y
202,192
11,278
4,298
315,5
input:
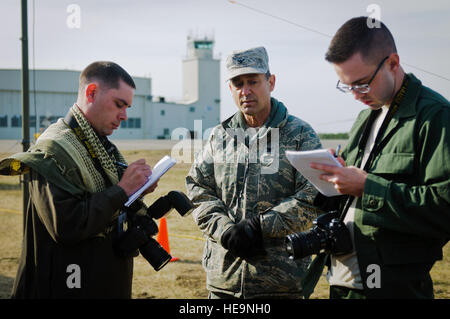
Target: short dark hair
x,y
106,72
356,36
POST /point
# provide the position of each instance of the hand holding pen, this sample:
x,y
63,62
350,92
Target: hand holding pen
x,y
134,176
336,154
338,149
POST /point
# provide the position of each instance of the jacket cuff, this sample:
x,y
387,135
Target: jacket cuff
x,y
117,196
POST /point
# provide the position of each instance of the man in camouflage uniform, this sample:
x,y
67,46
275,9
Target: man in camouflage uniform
x,y
249,197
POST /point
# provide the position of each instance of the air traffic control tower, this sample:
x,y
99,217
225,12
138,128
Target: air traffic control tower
x,y
201,79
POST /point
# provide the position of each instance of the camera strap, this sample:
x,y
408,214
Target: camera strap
x,y
378,145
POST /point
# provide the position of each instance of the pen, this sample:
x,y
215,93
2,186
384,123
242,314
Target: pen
x,y
338,149
121,164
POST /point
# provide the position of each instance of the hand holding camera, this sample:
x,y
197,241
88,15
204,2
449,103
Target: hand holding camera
x,y
141,229
329,234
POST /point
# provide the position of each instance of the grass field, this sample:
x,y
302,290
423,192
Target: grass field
x,y
184,278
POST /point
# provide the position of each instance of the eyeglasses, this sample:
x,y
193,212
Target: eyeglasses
x,y
363,88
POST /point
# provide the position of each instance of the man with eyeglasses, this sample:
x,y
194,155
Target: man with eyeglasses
x,y
395,179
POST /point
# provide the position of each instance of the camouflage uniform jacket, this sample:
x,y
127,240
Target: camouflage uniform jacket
x,y
240,174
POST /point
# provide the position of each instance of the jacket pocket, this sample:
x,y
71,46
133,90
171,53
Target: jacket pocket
x,y
393,163
398,167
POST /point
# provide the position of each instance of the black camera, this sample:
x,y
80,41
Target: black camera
x,y
328,234
141,228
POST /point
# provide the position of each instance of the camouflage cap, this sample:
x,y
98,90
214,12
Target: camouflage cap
x,y
253,60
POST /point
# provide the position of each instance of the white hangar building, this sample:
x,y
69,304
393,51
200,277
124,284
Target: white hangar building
x,y
149,117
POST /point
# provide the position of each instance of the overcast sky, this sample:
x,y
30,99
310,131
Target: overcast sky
x,y
148,38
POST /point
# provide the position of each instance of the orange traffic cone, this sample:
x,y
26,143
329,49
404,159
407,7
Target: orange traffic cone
x,y
163,236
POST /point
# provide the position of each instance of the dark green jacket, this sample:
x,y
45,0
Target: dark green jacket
x,y
402,220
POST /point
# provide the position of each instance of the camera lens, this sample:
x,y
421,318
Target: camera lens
x,y
305,244
181,203
155,254
174,199
130,241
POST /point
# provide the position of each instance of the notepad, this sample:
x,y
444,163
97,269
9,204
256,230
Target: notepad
x,y
301,160
159,170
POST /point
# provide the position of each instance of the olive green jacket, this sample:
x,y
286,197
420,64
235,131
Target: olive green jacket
x,y
402,220
230,180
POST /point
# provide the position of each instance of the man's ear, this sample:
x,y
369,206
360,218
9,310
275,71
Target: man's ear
x,y
272,82
394,61
91,92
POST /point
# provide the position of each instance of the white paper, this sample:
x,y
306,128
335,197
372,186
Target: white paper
x,y
301,161
159,170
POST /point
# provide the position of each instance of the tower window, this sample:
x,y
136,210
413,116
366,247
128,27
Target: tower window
x,y
203,44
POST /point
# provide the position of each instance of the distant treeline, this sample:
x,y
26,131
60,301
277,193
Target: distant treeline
x,y
333,136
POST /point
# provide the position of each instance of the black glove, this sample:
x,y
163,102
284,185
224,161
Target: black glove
x,y
244,239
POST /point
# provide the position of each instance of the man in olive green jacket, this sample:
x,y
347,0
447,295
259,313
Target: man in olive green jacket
x,y
76,195
249,197
396,170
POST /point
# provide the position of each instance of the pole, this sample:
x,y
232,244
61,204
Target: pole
x,y
25,102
